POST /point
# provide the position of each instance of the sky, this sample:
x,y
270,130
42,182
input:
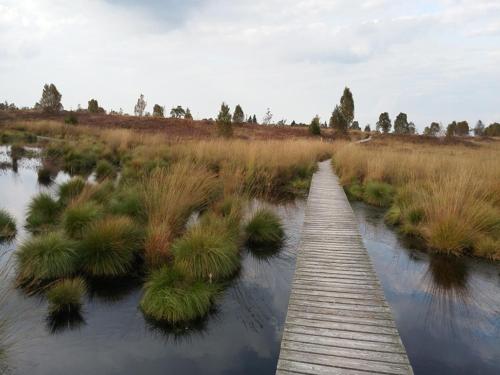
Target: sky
x,y
434,60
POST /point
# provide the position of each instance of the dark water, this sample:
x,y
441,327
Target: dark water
x,y
447,309
111,336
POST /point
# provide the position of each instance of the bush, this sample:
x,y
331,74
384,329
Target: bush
x,y
109,246
7,225
264,230
207,251
47,257
70,189
44,176
43,212
76,218
71,119
66,296
170,296
378,193
104,169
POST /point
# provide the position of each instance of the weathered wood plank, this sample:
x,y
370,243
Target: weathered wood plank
x,y
338,320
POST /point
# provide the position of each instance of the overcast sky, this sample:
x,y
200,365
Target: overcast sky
x,y
435,60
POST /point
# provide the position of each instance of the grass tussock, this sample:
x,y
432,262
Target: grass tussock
x,y
104,169
66,296
172,297
76,218
109,246
71,189
43,213
448,195
264,230
7,225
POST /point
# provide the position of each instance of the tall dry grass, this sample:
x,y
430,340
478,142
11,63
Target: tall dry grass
x,y
448,195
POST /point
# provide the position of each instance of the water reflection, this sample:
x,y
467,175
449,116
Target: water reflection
x,y
67,320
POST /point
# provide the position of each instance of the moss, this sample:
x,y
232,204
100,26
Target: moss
x,y
70,189
66,296
109,246
43,213
172,297
77,218
207,251
378,193
7,225
47,257
264,230
104,169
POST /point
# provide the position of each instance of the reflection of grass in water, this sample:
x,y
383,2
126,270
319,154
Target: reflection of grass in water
x,y
5,339
58,322
112,290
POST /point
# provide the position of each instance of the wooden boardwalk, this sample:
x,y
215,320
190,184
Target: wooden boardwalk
x,y
338,320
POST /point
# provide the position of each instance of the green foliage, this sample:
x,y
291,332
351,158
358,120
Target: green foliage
x,y
17,151
402,126
378,193
66,295
314,127
127,202
432,130
367,128
77,217
393,215
355,126
177,112
109,246
51,99
172,297
43,212
338,121
104,169
158,111
493,130
47,257
347,106
70,189
384,123
457,129
355,191
79,161
224,126
207,251
71,119
93,106
7,225
264,230
188,115
238,116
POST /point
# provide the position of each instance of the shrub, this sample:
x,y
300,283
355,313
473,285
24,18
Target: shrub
x,y
66,296
70,189
47,257
104,169
264,230
314,127
7,225
78,161
44,176
109,246
43,212
207,250
77,217
170,296
71,119
378,193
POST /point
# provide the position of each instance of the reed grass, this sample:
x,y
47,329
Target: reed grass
x,y
71,189
77,217
264,230
66,296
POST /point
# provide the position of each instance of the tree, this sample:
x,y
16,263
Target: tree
x,y
314,127
367,128
223,122
177,112
347,105
254,120
412,129
355,126
432,130
158,111
451,129
462,128
493,130
384,123
401,125
238,115
188,115
479,129
51,99
267,118
338,121
140,106
93,106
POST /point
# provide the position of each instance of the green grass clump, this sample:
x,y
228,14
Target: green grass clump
x,y
355,191
7,225
127,202
80,161
109,246
393,215
104,169
17,151
44,176
43,212
207,250
172,297
77,217
378,193
71,189
66,296
47,257
264,230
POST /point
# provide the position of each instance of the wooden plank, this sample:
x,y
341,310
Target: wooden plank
x,y
338,320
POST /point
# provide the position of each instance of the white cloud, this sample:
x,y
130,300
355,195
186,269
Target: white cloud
x,y
433,60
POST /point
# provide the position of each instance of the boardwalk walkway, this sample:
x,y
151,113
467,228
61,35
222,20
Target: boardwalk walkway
x,y
338,321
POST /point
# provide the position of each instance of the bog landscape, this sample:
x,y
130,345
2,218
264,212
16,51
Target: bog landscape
x,y
162,239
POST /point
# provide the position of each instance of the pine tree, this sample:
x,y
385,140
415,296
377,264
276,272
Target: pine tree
x,y
223,122
51,99
314,127
347,106
188,115
368,129
384,123
355,125
238,116
254,120
338,121
401,125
